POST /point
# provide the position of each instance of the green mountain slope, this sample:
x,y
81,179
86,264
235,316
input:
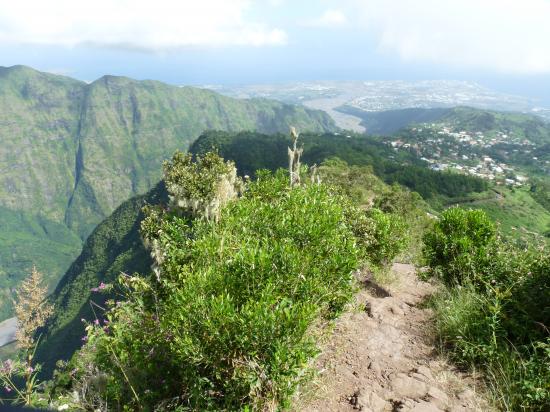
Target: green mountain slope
x,y
128,127
26,239
72,152
519,125
39,116
113,247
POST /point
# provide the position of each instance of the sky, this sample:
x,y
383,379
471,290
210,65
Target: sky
x,y
502,44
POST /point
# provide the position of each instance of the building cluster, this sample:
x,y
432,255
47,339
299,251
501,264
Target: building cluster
x,y
465,152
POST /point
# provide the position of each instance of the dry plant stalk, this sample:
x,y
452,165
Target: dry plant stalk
x,y
31,309
294,158
32,313
314,174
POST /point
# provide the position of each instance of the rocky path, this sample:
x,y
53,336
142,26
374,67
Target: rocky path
x,y
381,358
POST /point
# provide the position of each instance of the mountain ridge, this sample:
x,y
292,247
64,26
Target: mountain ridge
x,y
73,151
112,106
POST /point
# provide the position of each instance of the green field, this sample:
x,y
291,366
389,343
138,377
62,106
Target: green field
x,y
515,211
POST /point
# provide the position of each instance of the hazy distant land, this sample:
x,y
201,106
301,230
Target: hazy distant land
x,y
373,96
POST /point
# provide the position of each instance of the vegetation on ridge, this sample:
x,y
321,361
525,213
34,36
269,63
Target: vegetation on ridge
x,y
116,246
228,320
253,151
226,249
495,312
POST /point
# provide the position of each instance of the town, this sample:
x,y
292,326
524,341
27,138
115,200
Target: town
x,y
445,147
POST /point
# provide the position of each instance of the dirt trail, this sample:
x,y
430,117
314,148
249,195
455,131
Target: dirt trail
x,y
380,358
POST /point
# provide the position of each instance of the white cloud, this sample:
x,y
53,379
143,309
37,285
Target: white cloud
x,y
136,24
330,18
276,3
506,35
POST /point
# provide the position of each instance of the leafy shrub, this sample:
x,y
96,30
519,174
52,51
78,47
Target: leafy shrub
x,y
358,183
458,245
399,201
202,186
496,310
535,382
229,324
382,228
530,308
473,327
386,237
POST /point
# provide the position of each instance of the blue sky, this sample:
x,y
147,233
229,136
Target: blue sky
x,y
500,43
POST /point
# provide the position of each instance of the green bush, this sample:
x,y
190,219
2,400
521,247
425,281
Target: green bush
x,y
496,309
387,233
459,245
399,201
230,323
475,329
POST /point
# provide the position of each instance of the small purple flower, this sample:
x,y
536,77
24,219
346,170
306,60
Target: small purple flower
x,y
30,369
7,367
106,321
7,388
96,322
84,339
101,286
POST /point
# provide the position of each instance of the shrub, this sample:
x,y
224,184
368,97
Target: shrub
x,y
398,200
229,324
203,186
496,309
387,237
474,329
457,248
